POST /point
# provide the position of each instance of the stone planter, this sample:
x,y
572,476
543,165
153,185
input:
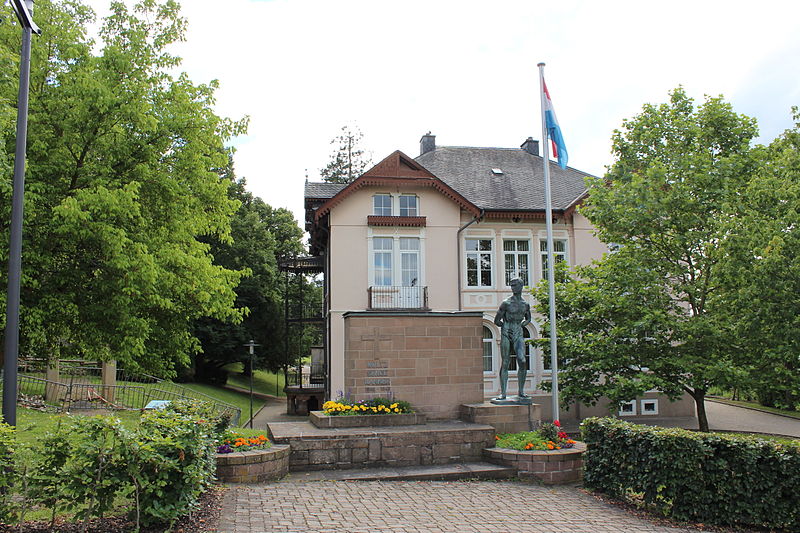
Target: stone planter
x,y
321,420
254,466
550,466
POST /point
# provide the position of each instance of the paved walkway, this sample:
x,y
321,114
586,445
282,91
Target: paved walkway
x,y
733,418
421,506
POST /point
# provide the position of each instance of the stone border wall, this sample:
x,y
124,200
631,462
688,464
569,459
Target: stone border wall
x,y
254,466
550,467
430,444
321,420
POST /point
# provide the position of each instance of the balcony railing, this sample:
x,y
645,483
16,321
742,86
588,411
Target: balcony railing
x,y
395,297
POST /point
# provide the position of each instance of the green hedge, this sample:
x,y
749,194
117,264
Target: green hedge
x,y
700,477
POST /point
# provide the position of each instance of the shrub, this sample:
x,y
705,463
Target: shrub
x,y
7,471
701,477
163,466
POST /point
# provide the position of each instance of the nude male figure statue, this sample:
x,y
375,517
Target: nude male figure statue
x,y
514,314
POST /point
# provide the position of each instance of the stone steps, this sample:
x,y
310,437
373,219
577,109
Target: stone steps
x,y
435,443
453,471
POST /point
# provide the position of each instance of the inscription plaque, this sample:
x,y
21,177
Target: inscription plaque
x,y
377,373
377,382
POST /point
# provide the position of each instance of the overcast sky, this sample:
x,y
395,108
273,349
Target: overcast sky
x,y
466,71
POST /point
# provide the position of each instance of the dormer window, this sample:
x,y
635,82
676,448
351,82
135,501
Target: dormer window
x,y
382,205
408,205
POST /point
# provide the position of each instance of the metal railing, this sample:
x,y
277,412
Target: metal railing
x,y
82,388
397,297
307,376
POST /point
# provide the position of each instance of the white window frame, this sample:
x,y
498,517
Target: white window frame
x,y
373,266
375,208
648,401
515,271
491,345
397,253
631,404
563,255
478,253
400,205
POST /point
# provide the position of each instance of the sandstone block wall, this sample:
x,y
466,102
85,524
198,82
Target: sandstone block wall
x,y
433,360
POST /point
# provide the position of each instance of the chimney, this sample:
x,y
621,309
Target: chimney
x,y
530,146
427,143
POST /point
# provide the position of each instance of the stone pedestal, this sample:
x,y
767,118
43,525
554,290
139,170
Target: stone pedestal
x,y
504,418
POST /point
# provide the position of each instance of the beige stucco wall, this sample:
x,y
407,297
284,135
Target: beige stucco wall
x,y
350,258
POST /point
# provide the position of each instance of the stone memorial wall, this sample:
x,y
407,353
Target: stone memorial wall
x,y
433,360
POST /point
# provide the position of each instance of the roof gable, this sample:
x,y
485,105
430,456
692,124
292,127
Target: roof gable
x,y
401,171
398,165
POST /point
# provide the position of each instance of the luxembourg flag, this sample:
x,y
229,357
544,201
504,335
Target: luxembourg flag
x,y
554,130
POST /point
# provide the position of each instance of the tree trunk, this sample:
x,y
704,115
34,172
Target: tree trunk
x,y
699,396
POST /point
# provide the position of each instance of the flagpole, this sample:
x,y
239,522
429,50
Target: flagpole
x,y
551,285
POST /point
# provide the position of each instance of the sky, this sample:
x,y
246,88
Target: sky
x,y
466,71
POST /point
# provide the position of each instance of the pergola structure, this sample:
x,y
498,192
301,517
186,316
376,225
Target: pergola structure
x,y
305,391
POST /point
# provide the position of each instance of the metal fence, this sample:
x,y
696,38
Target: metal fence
x,y
80,386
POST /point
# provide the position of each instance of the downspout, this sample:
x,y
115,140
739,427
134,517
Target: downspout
x,y
326,299
458,251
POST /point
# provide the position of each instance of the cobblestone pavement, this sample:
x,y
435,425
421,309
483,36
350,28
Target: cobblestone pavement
x,y
421,506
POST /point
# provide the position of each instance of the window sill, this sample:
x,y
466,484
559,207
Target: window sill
x,y
378,220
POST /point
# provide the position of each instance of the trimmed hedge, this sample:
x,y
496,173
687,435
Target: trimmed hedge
x,y
700,477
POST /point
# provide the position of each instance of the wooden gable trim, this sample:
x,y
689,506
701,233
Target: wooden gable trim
x,y
397,170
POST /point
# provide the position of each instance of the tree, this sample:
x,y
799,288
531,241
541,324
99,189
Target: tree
x,y
121,182
651,311
349,160
261,237
760,267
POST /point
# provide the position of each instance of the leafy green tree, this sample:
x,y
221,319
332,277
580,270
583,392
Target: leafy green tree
x,y
121,182
760,265
349,160
261,237
651,311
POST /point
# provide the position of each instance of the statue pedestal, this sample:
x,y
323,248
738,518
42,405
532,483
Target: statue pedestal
x,y
512,400
509,418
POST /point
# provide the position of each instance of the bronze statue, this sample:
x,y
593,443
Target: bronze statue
x,y
514,314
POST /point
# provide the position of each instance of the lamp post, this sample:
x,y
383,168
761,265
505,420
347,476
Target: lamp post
x,y
24,11
251,345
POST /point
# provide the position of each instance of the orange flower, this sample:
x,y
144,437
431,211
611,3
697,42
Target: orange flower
x,y
496,437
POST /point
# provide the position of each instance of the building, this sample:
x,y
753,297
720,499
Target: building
x,y
418,254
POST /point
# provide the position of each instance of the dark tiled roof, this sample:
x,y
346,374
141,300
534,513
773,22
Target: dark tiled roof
x,y
323,189
468,170
520,186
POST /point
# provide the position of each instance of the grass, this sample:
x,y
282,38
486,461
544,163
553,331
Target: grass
x,y
754,405
237,399
263,381
32,424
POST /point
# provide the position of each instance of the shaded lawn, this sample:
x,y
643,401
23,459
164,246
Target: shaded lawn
x,y
237,399
263,381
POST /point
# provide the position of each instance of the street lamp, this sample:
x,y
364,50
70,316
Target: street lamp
x,y
251,345
24,11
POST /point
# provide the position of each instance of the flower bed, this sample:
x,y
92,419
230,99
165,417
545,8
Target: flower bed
x,y
322,420
548,437
237,442
548,466
373,406
253,466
